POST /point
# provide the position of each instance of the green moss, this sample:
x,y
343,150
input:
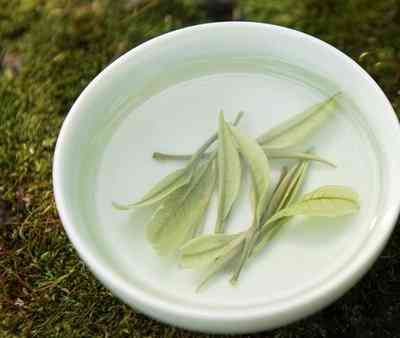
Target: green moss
x,y
50,50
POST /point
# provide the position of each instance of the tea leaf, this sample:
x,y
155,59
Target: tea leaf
x,y
259,168
177,219
298,185
253,201
251,237
163,156
171,182
260,174
293,186
286,154
328,201
174,157
297,129
219,264
229,173
267,234
166,186
200,172
280,191
203,250
285,193
284,172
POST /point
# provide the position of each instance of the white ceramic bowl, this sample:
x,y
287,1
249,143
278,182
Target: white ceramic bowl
x,y
165,96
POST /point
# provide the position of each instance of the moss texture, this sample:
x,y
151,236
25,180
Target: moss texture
x,y
49,51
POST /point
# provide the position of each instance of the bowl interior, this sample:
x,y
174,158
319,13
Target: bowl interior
x,y
166,96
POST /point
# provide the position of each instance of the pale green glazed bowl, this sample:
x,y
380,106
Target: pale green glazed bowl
x,y
165,95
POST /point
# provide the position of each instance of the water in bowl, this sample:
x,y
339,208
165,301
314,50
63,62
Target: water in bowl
x,y
175,112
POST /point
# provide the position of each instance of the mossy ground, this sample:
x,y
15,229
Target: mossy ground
x,y
49,51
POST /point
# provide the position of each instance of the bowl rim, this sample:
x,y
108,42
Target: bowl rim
x,y
164,310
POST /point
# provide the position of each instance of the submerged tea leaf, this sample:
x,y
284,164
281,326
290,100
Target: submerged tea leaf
x,y
267,234
293,186
287,154
163,156
219,264
297,129
174,157
280,191
171,182
260,173
328,201
177,219
166,186
229,173
259,168
284,194
203,250
284,172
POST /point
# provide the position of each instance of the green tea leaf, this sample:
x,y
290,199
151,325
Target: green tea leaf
x,y
164,156
297,129
260,173
175,157
293,186
166,186
280,192
201,170
250,241
229,173
259,168
284,195
287,154
203,250
328,201
219,264
253,201
171,182
177,219
267,234
297,186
